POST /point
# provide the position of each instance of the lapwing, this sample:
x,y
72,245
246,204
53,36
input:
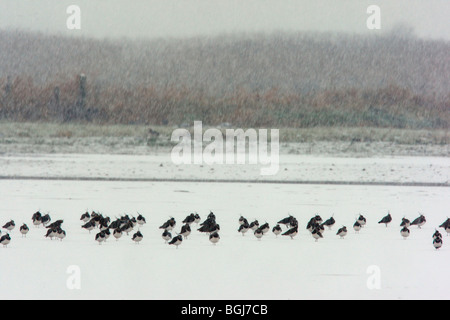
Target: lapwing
x,y
254,225
197,218
243,228
386,219
404,232
100,237
342,232
258,233
318,219
137,237
264,228
60,234
189,219
329,222
420,221
312,223
356,226
5,240
10,225
166,235
405,222
141,220
88,226
289,222
437,243
127,227
169,224
85,217
437,234
291,232
36,218
185,230
51,233
445,224
24,230
117,233
176,241
276,230
214,238
45,219
243,220
362,220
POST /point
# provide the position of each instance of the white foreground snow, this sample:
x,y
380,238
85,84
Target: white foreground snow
x,y
237,267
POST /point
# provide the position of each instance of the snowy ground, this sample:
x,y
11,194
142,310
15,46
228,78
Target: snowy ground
x,y
292,168
237,267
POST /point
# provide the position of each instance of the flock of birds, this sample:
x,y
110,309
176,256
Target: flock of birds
x,y
316,226
126,224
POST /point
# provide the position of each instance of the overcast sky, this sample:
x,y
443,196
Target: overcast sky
x,y
185,18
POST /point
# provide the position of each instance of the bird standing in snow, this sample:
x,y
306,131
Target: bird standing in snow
x,y
176,241
168,225
243,228
404,232
137,237
254,225
117,233
329,222
386,219
24,230
290,222
9,225
362,220
405,222
85,217
276,230
100,237
437,234
242,220
45,219
258,233
342,232
437,243
88,226
60,234
36,218
189,219
265,228
420,221
5,240
166,235
291,232
51,233
214,238
141,220
446,226
356,226
185,230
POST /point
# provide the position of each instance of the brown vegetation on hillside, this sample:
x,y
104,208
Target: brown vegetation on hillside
x,y
278,80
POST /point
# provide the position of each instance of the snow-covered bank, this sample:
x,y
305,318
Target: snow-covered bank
x,y
292,168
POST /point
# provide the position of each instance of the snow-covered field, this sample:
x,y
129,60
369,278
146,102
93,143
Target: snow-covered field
x,y
292,168
238,267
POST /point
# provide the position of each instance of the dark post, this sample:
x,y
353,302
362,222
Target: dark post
x,y
81,104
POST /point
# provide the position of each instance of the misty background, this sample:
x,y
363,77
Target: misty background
x,y
248,63
174,18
